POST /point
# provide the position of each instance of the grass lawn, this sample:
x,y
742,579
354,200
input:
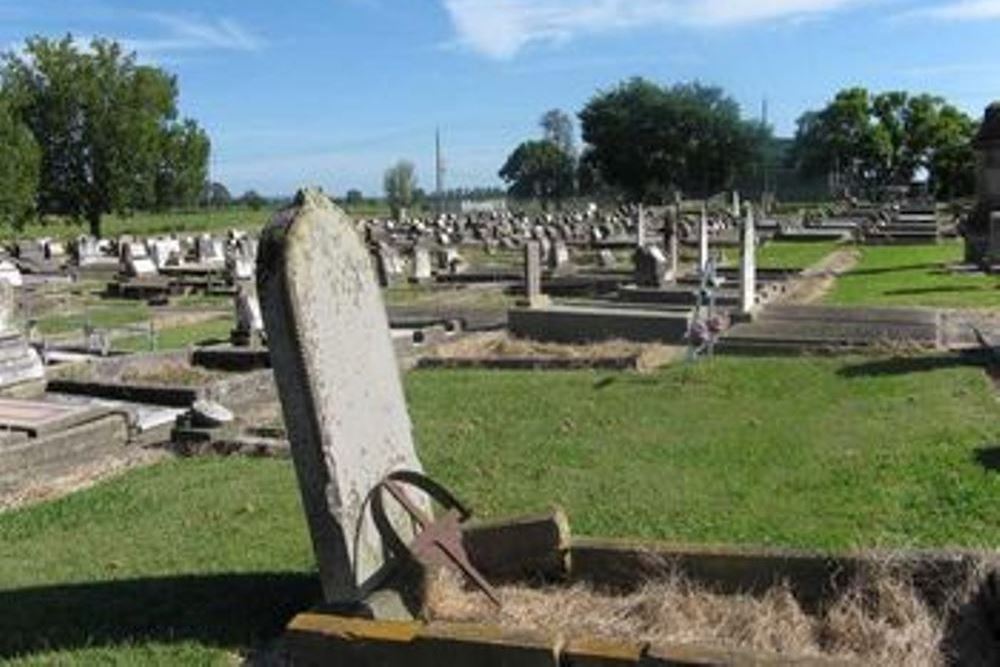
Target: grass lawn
x,y
191,561
792,255
175,338
914,276
105,316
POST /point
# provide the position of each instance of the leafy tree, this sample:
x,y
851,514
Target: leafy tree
x,y
354,197
253,200
183,165
539,169
650,140
215,195
870,141
20,160
400,184
100,120
557,127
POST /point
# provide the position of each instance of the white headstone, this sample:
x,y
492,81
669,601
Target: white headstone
x,y
748,265
338,381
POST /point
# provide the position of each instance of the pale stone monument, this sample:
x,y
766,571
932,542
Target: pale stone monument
x,y
249,328
748,264
422,271
339,385
533,275
19,362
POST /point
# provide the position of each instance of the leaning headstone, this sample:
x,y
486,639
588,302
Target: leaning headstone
x,y
339,384
748,265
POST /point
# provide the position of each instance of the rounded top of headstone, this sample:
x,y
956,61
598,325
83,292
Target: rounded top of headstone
x,y
989,131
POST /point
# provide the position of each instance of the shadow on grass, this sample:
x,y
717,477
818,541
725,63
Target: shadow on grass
x,y
905,365
934,290
224,611
989,458
894,269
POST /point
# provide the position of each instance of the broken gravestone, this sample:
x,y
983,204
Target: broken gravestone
x,y
339,385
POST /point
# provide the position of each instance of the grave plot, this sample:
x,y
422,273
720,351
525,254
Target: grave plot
x,y
380,549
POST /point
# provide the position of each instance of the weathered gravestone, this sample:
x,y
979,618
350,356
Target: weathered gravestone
x,y
533,276
339,383
651,268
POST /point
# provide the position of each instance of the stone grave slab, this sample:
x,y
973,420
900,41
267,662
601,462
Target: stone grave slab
x,y
40,418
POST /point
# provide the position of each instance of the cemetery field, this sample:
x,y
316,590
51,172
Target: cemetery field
x,y
914,276
196,560
792,255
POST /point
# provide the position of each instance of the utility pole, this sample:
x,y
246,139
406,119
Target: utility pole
x,y
438,172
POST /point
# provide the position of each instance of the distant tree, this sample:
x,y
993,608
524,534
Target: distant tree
x,y
650,140
99,119
540,170
183,166
215,195
557,127
870,141
252,200
400,184
20,159
354,198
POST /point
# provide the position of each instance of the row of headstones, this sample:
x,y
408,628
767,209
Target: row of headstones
x,y
657,267
145,258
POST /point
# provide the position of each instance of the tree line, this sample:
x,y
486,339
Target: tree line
x,y
645,142
86,132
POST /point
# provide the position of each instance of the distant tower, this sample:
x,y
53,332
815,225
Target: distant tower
x,y
438,172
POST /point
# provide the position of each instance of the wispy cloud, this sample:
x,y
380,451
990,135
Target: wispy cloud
x,y
962,10
190,33
501,28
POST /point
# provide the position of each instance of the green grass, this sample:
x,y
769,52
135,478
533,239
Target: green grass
x,y
914,276
176,338
792,255
106,316
193,560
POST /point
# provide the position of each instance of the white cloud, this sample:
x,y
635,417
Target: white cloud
x,y
501,28
963,10
184,33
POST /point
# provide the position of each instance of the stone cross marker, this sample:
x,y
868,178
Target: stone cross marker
x,y
339,384
748,265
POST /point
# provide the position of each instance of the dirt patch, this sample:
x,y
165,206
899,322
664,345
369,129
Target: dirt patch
x,y
82,477
502,346
880,619
816,281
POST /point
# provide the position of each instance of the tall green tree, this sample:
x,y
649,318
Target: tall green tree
x,y
400,183
539,170
183,165
649,140
557,127
20,160
870,141
103,123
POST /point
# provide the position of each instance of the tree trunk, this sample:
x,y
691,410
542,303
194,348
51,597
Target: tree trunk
x,y
94,220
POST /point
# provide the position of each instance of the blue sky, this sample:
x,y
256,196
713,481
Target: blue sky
x,y
330,92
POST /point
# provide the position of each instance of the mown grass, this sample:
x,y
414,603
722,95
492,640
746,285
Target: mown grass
x,y
914,276
793,255
179,337
107,316
191,561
